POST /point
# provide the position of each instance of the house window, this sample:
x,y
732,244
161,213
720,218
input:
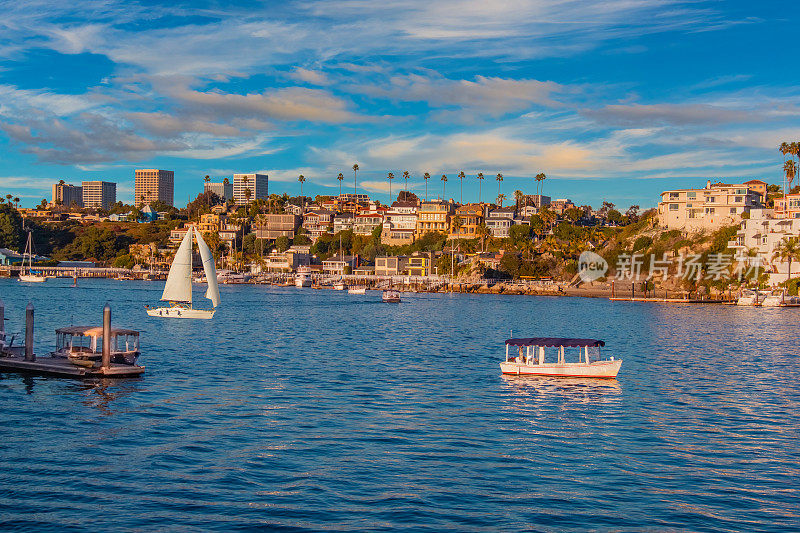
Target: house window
x,y
674,195
673,207
711,199
733,210
691,195
709,210
737,200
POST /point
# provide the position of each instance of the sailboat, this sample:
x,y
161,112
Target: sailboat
x,y
178,289
28,276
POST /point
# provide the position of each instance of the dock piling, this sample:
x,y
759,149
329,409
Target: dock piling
x,y
2,316
29,355
106,359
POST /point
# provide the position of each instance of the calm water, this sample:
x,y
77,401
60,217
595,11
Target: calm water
x,y
297,409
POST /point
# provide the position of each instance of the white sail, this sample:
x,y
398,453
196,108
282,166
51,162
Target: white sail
x,y
208,267
179,281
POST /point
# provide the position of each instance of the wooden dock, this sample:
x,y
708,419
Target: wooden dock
x,y
665,300
56,366
22,358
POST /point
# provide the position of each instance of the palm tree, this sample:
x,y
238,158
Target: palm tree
x,y
207,179
543,178
426,177
480,181
406,175
790,169
499,179
482,232
444,183
16,202
355,178
247,194
461,177
518,197
500,198
302,180
456,224
340,177
390,177
787,250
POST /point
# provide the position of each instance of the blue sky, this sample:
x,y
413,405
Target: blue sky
x,y
613,100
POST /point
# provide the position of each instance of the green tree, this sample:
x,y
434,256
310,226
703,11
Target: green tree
x,y
519,233
615,217
426,177
282,243
787,250
11,234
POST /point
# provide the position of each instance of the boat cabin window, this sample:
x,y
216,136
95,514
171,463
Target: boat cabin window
x,y
534,355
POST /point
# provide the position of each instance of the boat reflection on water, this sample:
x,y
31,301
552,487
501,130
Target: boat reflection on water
x,y
584,390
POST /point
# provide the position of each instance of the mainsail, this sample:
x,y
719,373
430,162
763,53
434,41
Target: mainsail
x,y
179,281
211,273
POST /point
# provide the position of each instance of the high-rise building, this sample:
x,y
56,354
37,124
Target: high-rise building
x,y
255,183
154,185
99,194
67,195
223,189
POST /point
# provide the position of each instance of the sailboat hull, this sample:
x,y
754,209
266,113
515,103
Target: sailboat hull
x,y
181,312
30,278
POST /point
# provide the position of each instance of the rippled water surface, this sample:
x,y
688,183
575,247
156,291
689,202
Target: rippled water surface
x,y
296,409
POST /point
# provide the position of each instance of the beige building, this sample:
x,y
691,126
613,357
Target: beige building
x,y
271,226
434,216
717,205
67,195
99,194
249,187
154,185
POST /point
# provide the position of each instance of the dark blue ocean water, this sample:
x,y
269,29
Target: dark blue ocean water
x,y
297,409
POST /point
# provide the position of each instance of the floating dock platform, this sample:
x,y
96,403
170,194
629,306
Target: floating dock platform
x,y
22,358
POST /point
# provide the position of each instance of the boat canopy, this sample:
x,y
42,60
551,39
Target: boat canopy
x,y
94,331
554,341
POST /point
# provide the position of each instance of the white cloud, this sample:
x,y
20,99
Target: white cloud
x,y
314,77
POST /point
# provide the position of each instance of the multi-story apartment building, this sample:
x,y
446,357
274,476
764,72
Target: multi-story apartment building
x,y
419,265
99,194
67,195
154,185
211,222
535,200
223,189
716,205
340,266
464,224
366,223
271,226
249,187
434,216
762,233
499,221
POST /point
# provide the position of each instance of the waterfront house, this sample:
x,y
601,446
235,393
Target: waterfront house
x,y
708,209
317,222
10,257
762,233
340,265
469,217
434,216
343,222
390,265
500,220
419,265
788,206
365,224
561,205
287,261
271,226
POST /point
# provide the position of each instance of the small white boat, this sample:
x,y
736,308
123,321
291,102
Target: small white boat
x,y
340,286
751,298
779,298
391,296
28,276
178,288
357,290
530,358
303,278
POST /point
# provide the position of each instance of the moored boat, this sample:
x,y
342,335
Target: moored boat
x,y
391,296
303,278
779,298
28,275
751,298
530,358
357,290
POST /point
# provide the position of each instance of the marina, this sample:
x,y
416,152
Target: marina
x,y
392,409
